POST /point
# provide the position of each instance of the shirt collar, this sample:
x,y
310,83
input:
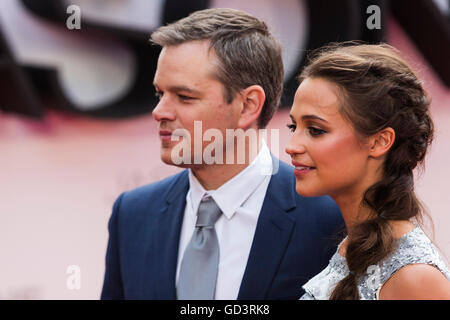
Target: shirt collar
x,y
233,194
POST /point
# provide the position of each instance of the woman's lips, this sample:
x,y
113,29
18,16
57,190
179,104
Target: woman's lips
x,y
301,169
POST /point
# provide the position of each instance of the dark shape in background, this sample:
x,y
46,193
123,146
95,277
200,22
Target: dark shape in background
x,y
175,9
335,21
140,99
330,21
428,28
17,92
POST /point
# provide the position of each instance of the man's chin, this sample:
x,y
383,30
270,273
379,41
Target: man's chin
x,y
167,159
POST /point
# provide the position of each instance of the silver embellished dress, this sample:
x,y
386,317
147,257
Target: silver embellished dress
x,y
413,247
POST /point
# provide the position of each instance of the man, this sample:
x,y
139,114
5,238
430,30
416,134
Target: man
x,y
223,228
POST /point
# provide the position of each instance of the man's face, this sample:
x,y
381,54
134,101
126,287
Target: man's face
x,y
188,92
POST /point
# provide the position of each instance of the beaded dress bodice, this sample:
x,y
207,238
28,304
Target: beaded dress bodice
x,y
413,247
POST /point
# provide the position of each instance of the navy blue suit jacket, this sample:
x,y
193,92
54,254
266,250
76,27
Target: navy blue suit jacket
x,y
294,239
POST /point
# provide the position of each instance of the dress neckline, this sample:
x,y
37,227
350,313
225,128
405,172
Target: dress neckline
x,y
399,239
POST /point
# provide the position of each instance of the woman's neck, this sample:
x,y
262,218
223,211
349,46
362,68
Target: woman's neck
x,y
351,208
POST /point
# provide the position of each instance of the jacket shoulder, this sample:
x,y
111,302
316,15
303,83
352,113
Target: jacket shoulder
x,y
157,190
135,205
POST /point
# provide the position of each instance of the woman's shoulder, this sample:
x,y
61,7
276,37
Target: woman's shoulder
x,y
414,266
414,247
416,281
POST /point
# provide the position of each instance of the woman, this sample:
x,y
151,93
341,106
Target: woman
x,y
361,124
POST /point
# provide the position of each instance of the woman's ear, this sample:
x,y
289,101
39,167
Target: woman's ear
x,y
381,142
253,99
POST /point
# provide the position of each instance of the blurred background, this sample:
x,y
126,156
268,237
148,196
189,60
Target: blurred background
x,y
76,129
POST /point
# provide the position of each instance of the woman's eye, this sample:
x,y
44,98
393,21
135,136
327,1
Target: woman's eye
x,y
158,94
291,127
316,131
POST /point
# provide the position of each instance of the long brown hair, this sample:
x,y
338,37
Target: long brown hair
x,y
378,90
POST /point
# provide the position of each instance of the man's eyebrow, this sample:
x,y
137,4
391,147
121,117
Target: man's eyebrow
x,y
180,88
184,89
308,117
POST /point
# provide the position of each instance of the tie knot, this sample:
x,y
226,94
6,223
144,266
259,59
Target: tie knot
x,y
208,213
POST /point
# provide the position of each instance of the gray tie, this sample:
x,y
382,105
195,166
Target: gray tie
x,y
198,271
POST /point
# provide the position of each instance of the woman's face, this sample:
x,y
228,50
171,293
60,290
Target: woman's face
x,y
328,156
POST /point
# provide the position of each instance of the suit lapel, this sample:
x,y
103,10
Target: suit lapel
x,y
272,235
167,237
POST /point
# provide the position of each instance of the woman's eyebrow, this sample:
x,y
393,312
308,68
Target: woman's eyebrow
x,y
313,117
309,117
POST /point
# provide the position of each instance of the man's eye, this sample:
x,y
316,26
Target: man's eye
x,y
158,94
316,131
291,127
185,98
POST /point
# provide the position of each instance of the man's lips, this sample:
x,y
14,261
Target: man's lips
x,y
165,135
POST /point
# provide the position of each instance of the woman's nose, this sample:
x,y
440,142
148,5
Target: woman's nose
x,y
295,146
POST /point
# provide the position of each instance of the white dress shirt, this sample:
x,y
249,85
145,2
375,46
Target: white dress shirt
x,y
240,199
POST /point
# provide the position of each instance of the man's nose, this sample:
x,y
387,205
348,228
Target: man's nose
x,y
163,111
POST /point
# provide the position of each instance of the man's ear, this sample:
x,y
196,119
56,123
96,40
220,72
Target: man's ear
x,y
381,142
253,99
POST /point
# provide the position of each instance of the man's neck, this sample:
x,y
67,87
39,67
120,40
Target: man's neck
x,y
213,176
